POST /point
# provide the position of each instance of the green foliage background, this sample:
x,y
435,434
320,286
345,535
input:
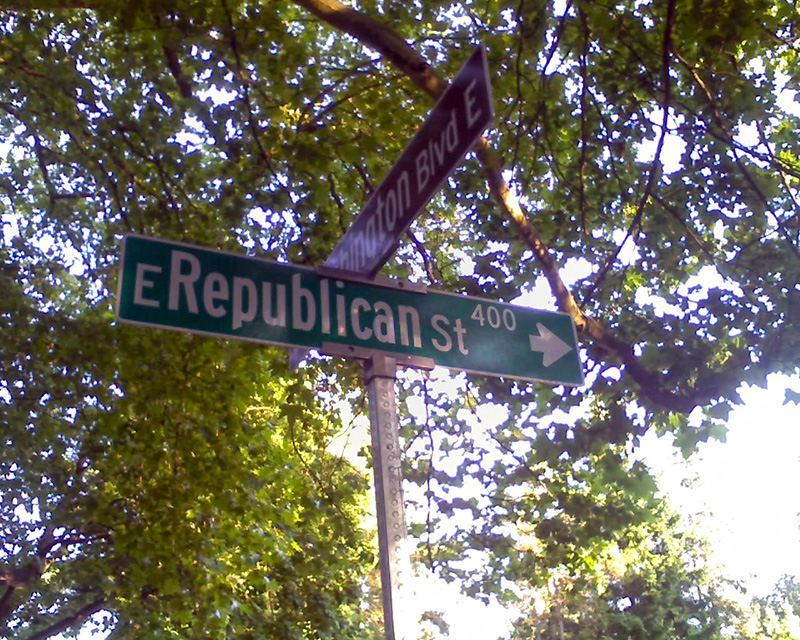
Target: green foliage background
x,y
186,486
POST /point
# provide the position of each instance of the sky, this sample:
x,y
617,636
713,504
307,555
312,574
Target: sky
x,y
743,491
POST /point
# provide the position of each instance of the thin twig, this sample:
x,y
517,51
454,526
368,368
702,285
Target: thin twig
x,y
656,163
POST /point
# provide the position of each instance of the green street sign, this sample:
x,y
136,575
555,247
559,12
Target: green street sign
x,y
172,285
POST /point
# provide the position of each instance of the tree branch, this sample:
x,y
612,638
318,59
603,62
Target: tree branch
x,y
174,65
77,618
244,77
727,137
584,60
380,37
19,576
391,45
6,603
656,163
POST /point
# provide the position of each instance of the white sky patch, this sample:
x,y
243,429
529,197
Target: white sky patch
x,y
644,297
787,98
576,269
25,515
193,136
744,491
695,288
747,135
490,415
673,148
8,221
260,216
539,295
218,96
466,264
629,253
788,101
468,618
559,8
10,227
707,278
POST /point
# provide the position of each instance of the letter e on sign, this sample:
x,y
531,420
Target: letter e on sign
x,y
142,283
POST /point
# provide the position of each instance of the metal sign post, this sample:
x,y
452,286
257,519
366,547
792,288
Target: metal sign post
x,y
393,550
454,125
379,376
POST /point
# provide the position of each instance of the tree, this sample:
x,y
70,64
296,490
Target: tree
x,y
655,581
185,505
776,616
254,127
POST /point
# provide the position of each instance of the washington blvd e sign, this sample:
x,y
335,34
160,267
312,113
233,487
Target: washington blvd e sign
x,y
182,287
452,128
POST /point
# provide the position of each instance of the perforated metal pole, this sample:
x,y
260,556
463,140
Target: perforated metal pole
x,y
379,374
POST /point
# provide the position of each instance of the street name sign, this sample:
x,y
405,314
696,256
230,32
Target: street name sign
x,y
452,128
183,287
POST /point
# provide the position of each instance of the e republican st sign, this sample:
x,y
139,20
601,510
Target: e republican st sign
x,y
183,287
453,126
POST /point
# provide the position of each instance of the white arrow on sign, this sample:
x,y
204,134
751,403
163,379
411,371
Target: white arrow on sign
x,y
549,344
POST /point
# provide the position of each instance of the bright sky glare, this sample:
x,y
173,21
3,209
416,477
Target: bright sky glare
x,y
744,491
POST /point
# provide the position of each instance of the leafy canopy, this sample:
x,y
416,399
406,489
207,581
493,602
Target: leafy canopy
x,y
184,484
